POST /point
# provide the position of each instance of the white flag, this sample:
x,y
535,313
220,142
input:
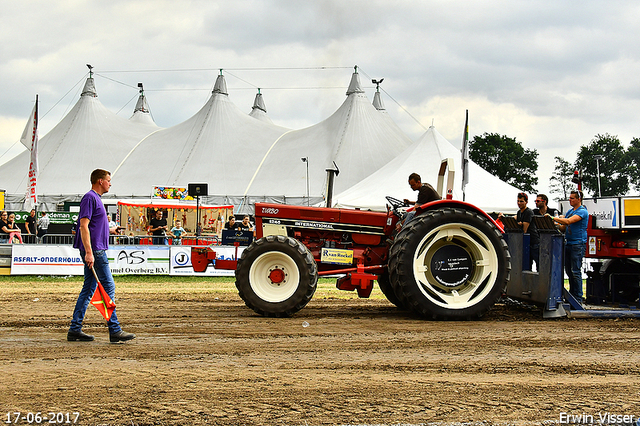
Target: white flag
x,y
30,140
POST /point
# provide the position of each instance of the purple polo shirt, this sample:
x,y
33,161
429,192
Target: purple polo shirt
x,y
92,208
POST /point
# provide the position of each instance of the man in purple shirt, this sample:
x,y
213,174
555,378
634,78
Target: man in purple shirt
x,y
92,239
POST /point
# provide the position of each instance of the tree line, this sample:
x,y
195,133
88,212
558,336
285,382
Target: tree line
x,y
604,155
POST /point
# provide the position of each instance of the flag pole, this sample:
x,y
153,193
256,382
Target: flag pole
x,y
465,155
95,275
30,140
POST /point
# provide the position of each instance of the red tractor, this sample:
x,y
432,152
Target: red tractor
x,y
448,262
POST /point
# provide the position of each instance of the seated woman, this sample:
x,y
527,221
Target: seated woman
x,y
11,227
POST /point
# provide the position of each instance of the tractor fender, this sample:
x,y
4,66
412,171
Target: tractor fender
x,y
435,205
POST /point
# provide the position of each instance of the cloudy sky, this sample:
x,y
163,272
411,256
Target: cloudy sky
x,y
550,74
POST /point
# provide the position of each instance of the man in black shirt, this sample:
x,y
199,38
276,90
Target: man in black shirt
x,y
158,227
426,194
30,222
524,217
542,208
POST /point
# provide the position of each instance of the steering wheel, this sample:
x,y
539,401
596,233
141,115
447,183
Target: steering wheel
x,y
395,204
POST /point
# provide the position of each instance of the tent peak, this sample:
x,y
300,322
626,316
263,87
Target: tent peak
x,y
221,85
89,88
377,102
141,105
354,85
259,102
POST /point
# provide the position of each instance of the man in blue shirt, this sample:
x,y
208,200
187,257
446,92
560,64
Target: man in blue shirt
x,y
92,239
574,224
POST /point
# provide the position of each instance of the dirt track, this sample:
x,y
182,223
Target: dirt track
x,y
204,358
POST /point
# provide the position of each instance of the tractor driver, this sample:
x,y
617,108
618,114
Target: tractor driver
x,y
426,194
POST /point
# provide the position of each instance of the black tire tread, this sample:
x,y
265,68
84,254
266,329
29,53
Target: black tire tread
x,y
406,288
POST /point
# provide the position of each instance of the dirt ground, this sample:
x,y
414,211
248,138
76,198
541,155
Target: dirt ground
x,y
202,357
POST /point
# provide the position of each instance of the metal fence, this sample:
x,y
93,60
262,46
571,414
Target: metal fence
x,y
67,239
144,240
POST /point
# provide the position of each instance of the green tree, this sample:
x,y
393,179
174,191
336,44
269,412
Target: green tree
x,y
633,155
560,182
506,158
614,169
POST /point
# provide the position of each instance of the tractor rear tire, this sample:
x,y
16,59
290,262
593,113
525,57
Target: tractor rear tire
x,y
276,276
387,290
449,264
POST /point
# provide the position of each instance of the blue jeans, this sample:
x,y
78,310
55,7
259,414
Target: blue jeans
x,y
573,254
159,241
410,215
101,266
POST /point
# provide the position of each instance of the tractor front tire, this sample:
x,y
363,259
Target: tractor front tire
x,y
276,276
449,264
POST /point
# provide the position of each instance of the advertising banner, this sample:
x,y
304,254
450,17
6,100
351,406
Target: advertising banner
x,y
66,218
27,259
171,193
605,210
181,261
139,260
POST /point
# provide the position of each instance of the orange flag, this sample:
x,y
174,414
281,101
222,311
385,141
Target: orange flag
x,y
102,301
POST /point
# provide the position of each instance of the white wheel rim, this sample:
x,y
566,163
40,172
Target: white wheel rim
x,y
484,260
262,285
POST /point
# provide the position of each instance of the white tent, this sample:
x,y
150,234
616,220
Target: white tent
x,y
88,137
244,158
357,137
424,157
220,145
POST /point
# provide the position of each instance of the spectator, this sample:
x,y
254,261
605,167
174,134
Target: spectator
x,y
112,222
177,232
30,223
158,227
524,217
542,208
10,227
245,225
574,224
4,226
43,226
231,224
